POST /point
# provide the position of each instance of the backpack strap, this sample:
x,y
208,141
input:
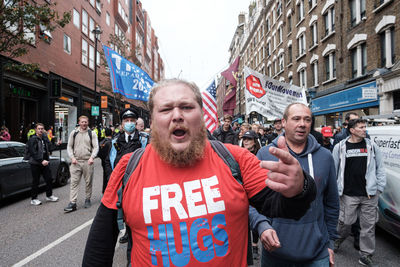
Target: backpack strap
x,y
76,132
130,168
228,158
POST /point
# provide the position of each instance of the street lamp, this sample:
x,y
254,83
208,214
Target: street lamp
x,y
96,31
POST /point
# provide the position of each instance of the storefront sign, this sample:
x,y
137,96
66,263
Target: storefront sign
x,y
104,101
95,111
19,91
66,99
364,95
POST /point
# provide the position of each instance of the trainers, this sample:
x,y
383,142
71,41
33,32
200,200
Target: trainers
x,y
71,207
367,261
52,198
87,204
124,238
36,202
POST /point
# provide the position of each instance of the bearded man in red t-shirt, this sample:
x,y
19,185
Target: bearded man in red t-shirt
x,y
182,204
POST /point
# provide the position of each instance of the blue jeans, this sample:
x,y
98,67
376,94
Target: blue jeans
x,y
268,261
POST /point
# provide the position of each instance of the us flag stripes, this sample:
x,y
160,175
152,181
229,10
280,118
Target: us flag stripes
x,y
210,107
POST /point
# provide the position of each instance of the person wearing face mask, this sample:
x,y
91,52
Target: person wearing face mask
x,y
124,142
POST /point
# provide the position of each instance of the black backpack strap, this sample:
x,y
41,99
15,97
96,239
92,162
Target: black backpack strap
x,y
228,158
130,168
90,136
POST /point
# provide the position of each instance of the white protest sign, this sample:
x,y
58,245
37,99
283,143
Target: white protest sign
x,y
269,97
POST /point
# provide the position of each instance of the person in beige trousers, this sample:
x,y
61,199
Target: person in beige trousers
x,y
82,149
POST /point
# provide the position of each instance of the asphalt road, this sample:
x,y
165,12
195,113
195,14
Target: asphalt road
x,y
46,236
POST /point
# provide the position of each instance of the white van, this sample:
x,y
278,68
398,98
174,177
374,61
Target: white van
x,y
388,139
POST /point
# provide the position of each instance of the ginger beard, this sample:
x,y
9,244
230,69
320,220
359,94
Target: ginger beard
x,y
189,156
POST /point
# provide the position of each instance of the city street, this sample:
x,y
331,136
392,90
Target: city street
x,y
46,236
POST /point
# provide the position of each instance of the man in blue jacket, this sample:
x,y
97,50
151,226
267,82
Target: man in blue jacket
x,y
308,241
361,179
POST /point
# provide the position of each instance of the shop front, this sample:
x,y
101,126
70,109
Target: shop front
x,y
331,109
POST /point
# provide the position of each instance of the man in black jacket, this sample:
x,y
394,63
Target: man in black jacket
x,y
225,133
39,151
126,141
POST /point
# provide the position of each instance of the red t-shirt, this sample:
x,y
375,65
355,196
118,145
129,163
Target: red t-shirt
x,y
193,216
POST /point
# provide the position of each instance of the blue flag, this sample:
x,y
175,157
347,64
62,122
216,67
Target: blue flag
x,y
126,78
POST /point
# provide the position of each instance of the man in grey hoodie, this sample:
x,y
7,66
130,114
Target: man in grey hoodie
x,y
361,179
309,240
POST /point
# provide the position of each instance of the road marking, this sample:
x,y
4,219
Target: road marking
x,y
51,245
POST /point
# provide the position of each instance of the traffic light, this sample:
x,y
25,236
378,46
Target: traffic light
x,y
56,87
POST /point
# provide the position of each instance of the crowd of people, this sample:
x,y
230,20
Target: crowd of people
x,y
185,202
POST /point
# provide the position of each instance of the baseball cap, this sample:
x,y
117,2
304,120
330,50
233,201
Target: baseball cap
x,y
250,134
128,113
326,131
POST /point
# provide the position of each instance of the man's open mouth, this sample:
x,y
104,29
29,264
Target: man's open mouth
x,y
179,132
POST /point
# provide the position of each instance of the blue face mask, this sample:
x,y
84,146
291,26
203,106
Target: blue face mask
x,y
129,127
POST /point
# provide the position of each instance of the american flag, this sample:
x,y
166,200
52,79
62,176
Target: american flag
x,y
210,107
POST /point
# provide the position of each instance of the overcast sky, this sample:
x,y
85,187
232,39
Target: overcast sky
x,y
194,35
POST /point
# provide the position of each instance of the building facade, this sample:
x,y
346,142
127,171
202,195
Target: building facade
x,y
342,52
68,58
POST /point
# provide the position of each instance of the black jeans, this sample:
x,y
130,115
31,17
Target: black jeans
x,y
37,170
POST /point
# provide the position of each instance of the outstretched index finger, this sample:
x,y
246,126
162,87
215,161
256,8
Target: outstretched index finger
x,y
282,152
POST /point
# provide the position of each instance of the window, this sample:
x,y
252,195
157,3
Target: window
x,y
290,52
84,52
274,39
358,60
312,3
290,80
357,11
97,58
303,78
300,10
67,44
268,48
314,69
289,23
107,19
314,34
302,44
98,6
281,62
268,24
76,18
329,19
91,2
269,70
330,66
91,28
387,47
279,9
275,66
280,32
84,22
91,57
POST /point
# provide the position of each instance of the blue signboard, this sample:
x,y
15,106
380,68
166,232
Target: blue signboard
x,y
361,96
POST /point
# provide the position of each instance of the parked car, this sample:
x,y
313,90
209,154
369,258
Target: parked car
x,y
388,140
15,173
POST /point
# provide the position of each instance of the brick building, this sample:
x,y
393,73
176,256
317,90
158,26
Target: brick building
x,y
67,56
340,51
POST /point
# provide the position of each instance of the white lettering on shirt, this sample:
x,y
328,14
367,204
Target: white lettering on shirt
x,y
172,202
172,196
148,203
193,197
